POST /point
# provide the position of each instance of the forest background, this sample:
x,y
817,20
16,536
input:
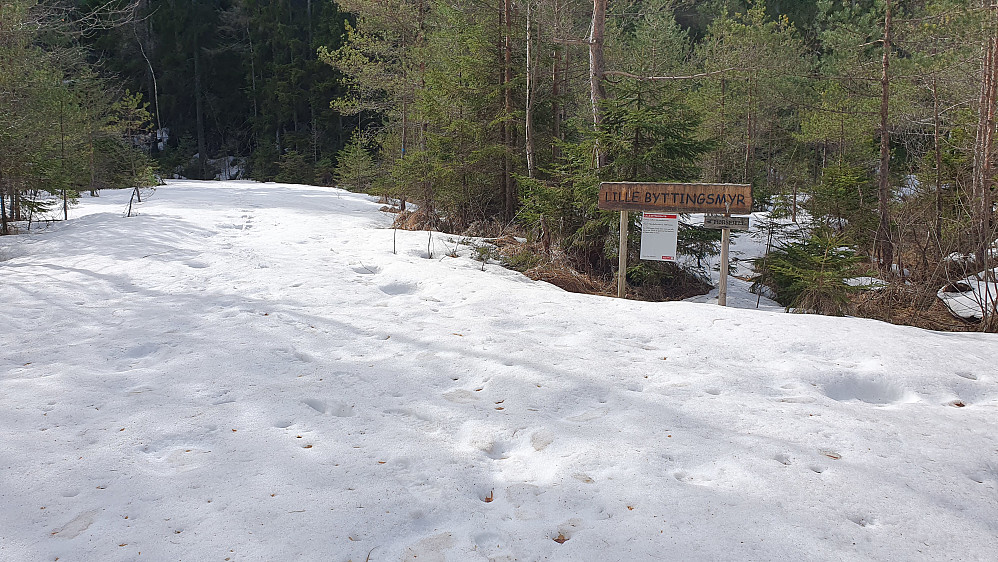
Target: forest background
x,y
865,127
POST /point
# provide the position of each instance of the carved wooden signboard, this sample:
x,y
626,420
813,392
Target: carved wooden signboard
x,y
723,198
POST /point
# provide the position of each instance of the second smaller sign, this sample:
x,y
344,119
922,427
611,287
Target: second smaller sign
x,y
721,221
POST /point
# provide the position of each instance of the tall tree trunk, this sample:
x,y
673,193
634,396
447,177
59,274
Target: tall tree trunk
x,y
528,120
508,202
748,134
4,229
155,86
883,245
720,147
252,57
556,87
555,105
198,105
938,226
62,160
983,146
983,174
597,66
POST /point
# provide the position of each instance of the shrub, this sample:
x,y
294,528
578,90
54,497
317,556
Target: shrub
x,y
809,275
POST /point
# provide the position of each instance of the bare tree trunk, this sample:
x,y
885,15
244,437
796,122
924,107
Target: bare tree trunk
x,y
508,202
983,146
249,39
4,229
748,134
597,66
720,146
62,161
556,87
938,227
883,245
984,169
528,121
555,105
155,86
405,112
198,105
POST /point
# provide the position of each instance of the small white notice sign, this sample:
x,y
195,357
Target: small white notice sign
x,y
659,232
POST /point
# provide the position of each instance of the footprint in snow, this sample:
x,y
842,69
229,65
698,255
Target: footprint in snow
x,y
497,450
77,525
782,459
335,408
461,396
430,549
863,520
541,439
367,269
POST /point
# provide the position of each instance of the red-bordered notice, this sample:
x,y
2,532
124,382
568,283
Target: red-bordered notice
x,y
659,234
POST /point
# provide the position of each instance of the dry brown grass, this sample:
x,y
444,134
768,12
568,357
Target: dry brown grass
x,y
909,306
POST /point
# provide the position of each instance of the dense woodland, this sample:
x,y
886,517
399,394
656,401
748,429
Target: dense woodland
x,y
869,123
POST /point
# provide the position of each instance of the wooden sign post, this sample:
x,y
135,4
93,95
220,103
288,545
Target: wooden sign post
x,y
725,222
722,282
725,198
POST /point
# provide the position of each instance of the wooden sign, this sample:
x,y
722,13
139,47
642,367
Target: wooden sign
x,y
676,197
721,221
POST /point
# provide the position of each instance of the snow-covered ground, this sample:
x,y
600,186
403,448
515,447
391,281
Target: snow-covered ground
x,y
248,372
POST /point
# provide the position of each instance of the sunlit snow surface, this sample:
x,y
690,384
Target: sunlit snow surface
x,y
248,372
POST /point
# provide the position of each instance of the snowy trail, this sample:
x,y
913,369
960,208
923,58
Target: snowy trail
x,y
247,372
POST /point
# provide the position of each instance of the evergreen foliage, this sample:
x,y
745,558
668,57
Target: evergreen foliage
x,y
810,275
63,128
355,168
489,113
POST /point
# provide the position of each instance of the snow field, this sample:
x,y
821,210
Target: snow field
x,y
246,371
